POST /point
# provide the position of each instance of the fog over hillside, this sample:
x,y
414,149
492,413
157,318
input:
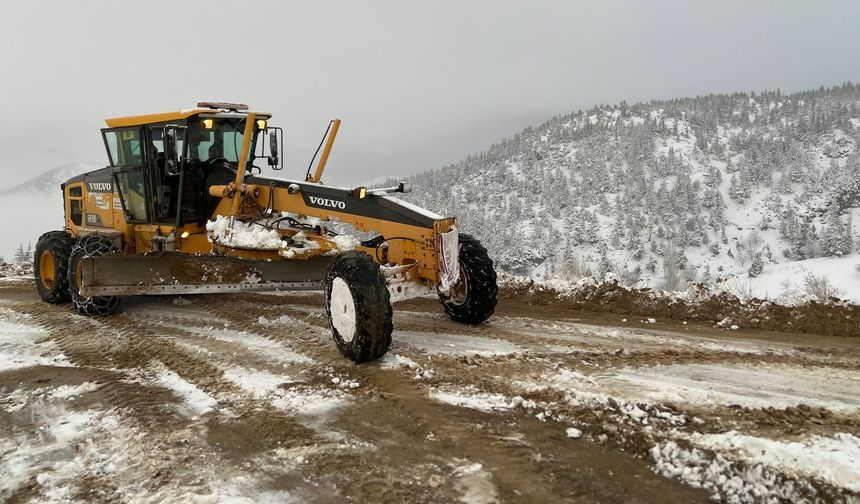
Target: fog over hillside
x,y
667,192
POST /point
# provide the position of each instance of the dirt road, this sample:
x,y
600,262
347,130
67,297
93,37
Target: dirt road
x,y
245,398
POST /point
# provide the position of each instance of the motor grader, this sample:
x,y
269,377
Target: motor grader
x,y
180,210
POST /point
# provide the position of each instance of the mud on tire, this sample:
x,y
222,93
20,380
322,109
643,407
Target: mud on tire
x,y
50,266
90,245
473,299
358,307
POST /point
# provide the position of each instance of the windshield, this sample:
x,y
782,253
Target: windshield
x,y
216,138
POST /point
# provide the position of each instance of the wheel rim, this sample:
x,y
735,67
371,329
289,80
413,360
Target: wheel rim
x,y
47,269
459,291
342,309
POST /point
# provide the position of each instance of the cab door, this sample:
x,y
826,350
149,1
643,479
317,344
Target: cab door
x,y
126,150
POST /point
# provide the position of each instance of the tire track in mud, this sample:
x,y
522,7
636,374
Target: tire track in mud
x,y
508,366
129,345
122,349
404,404
515,450
572,342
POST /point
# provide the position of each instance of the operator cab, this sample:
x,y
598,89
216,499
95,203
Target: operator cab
x,y
164,164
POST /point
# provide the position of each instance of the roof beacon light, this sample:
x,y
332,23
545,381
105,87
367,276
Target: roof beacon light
x,y
223,106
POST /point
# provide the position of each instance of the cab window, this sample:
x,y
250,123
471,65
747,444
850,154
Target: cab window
x,y
123,146
132,189
126,151
217,138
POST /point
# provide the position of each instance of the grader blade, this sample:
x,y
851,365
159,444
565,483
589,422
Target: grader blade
x,y
196,274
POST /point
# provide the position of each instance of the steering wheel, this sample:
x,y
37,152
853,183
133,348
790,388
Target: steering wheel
x,y
220,161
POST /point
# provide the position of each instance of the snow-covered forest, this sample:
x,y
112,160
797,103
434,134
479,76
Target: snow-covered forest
x,y
667,192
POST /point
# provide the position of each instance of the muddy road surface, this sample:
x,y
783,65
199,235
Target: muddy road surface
x,y
244,398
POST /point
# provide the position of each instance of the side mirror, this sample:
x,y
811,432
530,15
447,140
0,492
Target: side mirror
x,y
273,149
171,161
274,155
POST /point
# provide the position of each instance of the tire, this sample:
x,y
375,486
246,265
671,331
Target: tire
x,y
50,266
473,299
93,306
358,307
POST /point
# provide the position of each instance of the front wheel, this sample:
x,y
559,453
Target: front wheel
x,y
473,298
50,265
358,307
90,246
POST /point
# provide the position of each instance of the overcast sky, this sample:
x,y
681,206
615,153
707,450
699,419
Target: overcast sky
x,y
418,85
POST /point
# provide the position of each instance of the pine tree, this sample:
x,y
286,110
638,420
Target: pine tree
x,y
707,279
634,242
20,255
756,266
784,186
832,240
734,189
603,265
617,230
671,271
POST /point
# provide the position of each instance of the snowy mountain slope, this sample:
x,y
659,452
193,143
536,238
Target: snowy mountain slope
x,y
667,192
49,181
34,207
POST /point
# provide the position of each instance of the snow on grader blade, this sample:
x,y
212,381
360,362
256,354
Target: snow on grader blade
x,y
178,210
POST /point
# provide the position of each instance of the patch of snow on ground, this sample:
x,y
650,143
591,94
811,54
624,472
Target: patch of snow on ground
x,y
392,360
573,433
629,338
22,397
473,399
724,480
750,386
474,484
20,344
269,349
257,381
833,460
195,400
244,490
61,453
455,344
309,401
286,394
291,322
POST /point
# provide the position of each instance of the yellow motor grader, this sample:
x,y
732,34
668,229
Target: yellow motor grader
x,y
179,210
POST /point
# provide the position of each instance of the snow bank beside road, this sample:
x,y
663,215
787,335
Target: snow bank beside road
x,y
721,306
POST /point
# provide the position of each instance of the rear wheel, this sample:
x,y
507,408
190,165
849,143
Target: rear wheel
x,y
358,306
473,298
50,266
90,246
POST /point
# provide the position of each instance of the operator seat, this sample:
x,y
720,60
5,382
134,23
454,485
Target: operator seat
x,y
219,173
